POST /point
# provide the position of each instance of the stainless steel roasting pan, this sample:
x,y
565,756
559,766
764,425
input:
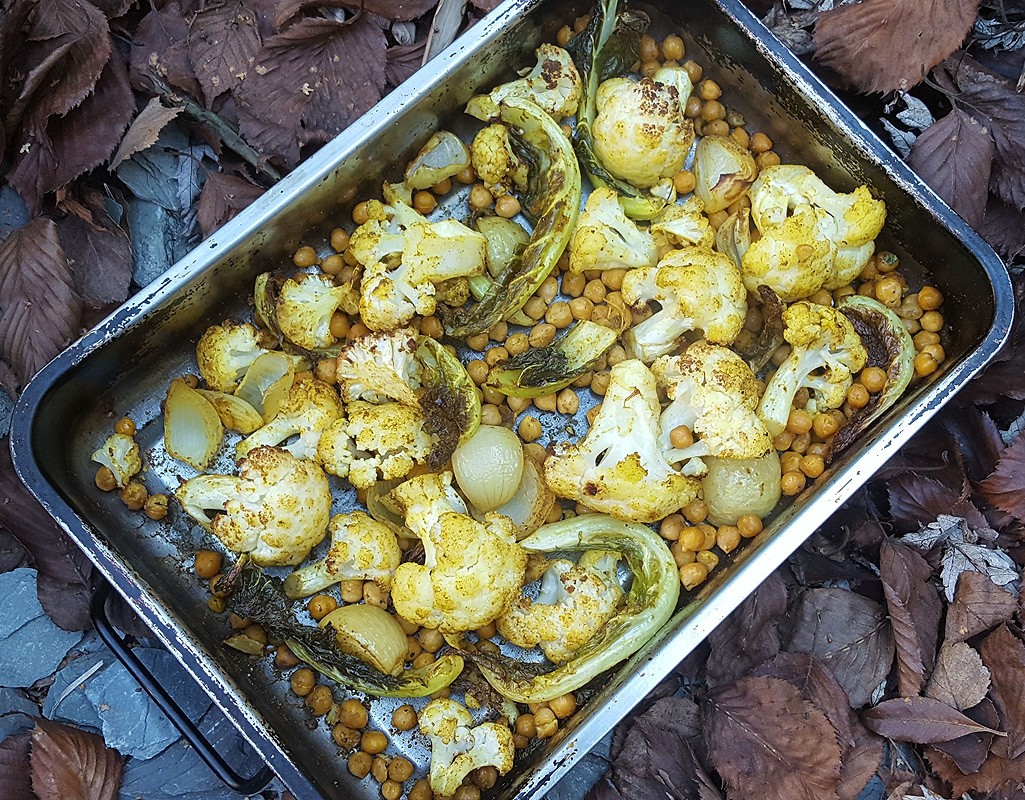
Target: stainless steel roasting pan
x,y
123,367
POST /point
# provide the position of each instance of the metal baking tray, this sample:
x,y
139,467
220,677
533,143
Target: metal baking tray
x,y
123,366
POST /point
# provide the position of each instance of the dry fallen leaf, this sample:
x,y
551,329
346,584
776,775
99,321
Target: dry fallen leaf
x,y
960,680
310,82
99,254
1004,654
222,197
889,45
656,758
969,752
223,43
979,605
920,720
15,777
39,309
761,732
1005,488
69,764
850,634
954,156
144,130
749,636
915,610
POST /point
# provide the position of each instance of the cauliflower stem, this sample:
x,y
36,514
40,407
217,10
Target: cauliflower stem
x,y
649,604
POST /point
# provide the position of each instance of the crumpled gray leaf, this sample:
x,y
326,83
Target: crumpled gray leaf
x,y
961,552
915,114
902,140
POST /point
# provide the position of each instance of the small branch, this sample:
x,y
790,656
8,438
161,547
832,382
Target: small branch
x,y
231,138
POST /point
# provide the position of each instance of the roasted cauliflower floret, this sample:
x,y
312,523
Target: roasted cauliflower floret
x,y
493,159
681,226
404,256
472,570
618,467
305,306
715,394
310,407
826,351
224,353
376,442
120,454
554,84
380,367
276,510
361,549
458,747
572,606
811,237
697,290
640,133
606,238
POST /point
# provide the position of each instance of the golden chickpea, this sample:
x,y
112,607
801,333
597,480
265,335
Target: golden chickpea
x,y
801,443
517,343
672,48
542,334
303,680
496,355
812,466
712,110
749,526
740,136
560,314
391,790
789,461
353,714
424,201
360,764
442,187
695,512
134,495
339,239
467,792
535,453
466,176
360,213
649,49
319,700
284,658
692,108
684,181
889,291
305,257
567,402
431,639
373,742
256,633
708,558
507,206
929,298
321,605
155,507
401,769
518,404
207,563
681,555
931,321
824,425
564,35
563,706
709,90
925,365
332,265
431,326
105,480
375,595
484,777
379,769
535,308
125,426
423,660
799,421
792,483
760,143
595,291
345,737
693,574
546,723
530,429
357,331
477,370
404,718
766,160
727,538
857,395
480,198
671,527
490,415
580,308
936,351
694,70
351,591
546,402
421,790
681,437
924,338
717,127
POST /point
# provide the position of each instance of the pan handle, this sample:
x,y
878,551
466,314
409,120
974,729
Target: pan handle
x,y
167,704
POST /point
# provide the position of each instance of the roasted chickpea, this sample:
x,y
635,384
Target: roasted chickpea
x,y
749,526
345,737
320,700
134,495
484,777
105,480
530,429
303,680
404,718
563,706
480,198
284,658
507,206
672,48
421,790
305,257
400,769
155,506
693,574
373,742
207,563
360,764
321,605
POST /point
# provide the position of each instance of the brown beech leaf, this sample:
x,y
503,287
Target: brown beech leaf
x,y
656,758
39,310
71,764
144,130
749,636
915,610
1005,488
15,777
916,500
401,61
222,45
64,571
1004,228
1004,654
160,48
995,101
222,197
979,605
816,685
850,635
53,86
970,752
997,779
920,720
860,763
886,45
954,156
960,680
100,256
75,143
761,732
310,82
